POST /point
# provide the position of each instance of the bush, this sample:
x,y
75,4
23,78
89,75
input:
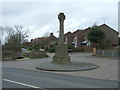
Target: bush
x,y
35,54
34,47
78,49
70,46
26,54
38,54
51,50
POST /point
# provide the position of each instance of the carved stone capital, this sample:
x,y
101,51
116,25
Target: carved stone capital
x,y
61,16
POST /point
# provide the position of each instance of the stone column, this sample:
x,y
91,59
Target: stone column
x,y
61,18
61,50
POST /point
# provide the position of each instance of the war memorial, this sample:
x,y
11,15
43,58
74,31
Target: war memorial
x,y
61,60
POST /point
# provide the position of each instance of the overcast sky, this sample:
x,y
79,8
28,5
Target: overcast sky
x,y
42,17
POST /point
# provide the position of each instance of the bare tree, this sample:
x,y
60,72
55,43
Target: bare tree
x,y
5,32
17,31
8,33
23,34
16,35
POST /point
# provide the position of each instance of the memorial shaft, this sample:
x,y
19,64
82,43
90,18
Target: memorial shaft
x,y
61,50
61,35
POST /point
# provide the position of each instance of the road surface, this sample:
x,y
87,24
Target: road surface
x,y
21,78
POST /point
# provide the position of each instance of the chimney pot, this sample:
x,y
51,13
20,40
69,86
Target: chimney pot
x,y
51,34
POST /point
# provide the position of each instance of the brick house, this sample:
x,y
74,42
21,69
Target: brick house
x,y
76,38
26,44
111,34
45,41
68,38
79,37
52,39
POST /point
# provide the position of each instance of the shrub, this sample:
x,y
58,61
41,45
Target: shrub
x,y
78,49
51,50
35,54
26,54
70,46
38,54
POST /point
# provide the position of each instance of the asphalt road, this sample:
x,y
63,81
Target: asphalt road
x,y
20,78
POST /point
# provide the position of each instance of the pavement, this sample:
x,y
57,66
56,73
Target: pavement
x,y
108,69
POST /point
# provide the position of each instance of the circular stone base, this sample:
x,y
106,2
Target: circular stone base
x,y
74,66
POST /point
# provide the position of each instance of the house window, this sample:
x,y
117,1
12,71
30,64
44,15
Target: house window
x,y
66,40
75,41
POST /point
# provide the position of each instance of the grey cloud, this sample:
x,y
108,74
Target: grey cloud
x,y
78,15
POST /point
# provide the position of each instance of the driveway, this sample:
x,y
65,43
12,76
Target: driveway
x,y
108,69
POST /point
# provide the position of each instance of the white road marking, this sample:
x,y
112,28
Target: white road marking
x,y
21,83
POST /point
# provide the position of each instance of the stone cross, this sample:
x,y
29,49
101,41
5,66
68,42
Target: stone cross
x,y
61,18
61,51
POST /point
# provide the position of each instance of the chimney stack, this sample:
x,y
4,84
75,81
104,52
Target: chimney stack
x,y
51,34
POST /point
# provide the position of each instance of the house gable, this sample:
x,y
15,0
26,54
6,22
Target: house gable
x,y
111,34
